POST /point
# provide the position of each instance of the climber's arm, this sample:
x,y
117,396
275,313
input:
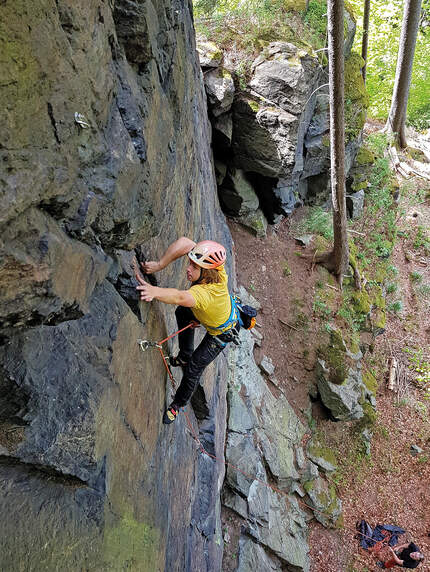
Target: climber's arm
x,y
177,249
167,295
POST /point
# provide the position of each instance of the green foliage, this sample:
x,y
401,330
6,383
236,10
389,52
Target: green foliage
x,y
286,270
422,240
416,276
420,365
316,18
391,288
317,221
395,307
249,25
384,34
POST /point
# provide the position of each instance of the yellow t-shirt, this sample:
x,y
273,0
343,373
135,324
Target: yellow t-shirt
x,y
213,306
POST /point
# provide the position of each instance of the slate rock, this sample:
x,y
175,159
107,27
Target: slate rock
x,y
219,87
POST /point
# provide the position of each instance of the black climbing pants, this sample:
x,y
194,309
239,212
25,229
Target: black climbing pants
x,y
197,359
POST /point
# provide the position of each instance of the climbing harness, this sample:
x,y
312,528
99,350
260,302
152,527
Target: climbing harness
x,y
242,315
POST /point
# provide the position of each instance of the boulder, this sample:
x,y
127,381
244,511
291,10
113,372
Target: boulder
x,y
283,75
219,87
285,532
223,129
238,198
237,195
343,400
355,204
252,557
324,499
264,138
210,55
322,456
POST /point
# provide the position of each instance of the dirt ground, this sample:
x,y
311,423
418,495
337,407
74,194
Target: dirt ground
x,y
391,486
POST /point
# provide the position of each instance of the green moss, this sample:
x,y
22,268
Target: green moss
x,y
364,156
377,297
356,97
354,342
326,141
417,154
369,417
225,73
133,545
324,453
253,105
335,357
308,486
379,320
370,382
358,185
361,301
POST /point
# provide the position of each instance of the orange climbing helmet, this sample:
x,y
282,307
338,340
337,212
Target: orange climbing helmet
x,y
208,254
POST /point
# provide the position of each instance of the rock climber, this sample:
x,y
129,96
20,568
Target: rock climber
x,y
207,302
405,555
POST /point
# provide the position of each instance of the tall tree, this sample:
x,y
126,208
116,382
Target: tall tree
x,y
340,254
397,117
365,40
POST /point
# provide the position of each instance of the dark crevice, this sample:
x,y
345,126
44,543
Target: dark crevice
x,y
132,430
13,399
54,207
199,404
44,472
125,283
34,319
264,187
133,123
54,125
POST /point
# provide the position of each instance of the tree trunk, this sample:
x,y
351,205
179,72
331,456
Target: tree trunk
x,y
365,40
335,14
397,117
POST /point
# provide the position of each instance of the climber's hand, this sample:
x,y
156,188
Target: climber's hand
x,y
151,266
147,291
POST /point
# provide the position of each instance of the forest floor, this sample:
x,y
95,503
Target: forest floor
x,y
390,485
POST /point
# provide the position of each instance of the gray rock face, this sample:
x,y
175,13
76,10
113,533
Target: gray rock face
x,y
263,431
239,199
280,127
355,204
219,87
90,478
323,498
343,400
252,557
283,74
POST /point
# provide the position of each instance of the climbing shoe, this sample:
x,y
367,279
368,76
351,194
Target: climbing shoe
x,y
177,362
170,414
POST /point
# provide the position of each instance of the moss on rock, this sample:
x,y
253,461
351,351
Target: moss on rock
x,y
356,97
370,382
335,356
361,302
364,156
132,542
319,451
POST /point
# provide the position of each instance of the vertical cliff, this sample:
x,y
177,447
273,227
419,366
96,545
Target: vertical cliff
x,y
104,146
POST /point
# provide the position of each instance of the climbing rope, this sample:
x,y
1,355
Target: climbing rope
x,y
146,344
